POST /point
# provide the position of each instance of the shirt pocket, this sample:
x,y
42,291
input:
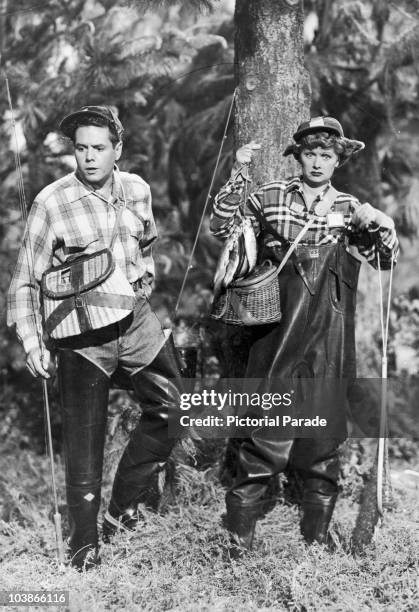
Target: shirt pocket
x,y
134,232
81,244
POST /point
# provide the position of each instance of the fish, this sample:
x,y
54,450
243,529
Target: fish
x,y
238,256
226,252
233,263
250,244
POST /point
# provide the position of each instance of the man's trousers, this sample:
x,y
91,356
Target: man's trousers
x,y
85,376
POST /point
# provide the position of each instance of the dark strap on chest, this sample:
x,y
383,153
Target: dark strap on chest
x,y
267,227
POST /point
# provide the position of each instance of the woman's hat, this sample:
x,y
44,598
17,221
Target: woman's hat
x,y
332,126
319,124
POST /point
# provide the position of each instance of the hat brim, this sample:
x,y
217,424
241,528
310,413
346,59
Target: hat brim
x,y
70,122
351,148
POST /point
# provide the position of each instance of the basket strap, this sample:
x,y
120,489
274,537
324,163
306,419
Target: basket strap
x,y
58,315
264,222
271,230
294,244
110,300
90,298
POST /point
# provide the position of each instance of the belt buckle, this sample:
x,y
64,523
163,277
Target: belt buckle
x,y
313,253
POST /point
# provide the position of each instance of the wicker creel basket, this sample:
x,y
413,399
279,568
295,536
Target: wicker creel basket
x,y
253,300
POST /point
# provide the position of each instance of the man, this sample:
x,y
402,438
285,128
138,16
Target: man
x,y
74,216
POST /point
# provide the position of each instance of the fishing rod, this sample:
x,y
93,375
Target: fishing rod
x,y
34,302
382,450
220,150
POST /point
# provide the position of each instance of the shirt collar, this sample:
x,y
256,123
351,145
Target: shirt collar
x,y
296,184
85,190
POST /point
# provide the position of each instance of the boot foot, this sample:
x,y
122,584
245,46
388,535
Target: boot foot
x,y
330,542
241,523
238,548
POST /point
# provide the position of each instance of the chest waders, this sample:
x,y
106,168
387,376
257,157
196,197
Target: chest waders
x,y
314,340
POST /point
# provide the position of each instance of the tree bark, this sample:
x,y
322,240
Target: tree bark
x,y
273,97
273,86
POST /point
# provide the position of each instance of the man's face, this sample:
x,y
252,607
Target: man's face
x,y
318,165
95,154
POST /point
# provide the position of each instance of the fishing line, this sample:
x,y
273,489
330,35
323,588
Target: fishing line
x,y
189,266
28,250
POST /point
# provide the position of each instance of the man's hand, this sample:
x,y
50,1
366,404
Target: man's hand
x,y
38,362
367,214
245,154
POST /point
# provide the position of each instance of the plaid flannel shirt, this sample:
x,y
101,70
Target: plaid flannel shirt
x,y
282,203
69,218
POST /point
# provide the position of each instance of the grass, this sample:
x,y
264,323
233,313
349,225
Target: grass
x,y
178,561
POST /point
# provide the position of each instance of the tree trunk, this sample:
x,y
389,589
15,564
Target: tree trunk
x,y
273,94
273,97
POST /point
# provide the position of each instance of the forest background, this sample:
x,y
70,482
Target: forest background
x,y
168,68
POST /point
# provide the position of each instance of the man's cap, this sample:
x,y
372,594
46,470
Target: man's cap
x,y
319,124
71,122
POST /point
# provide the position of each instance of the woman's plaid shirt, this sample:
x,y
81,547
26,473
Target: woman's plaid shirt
x,y
283,206
68,218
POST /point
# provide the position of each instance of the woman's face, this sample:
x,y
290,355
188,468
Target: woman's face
x,y
318,165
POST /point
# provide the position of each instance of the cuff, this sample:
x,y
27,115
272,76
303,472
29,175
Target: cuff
x,y
240,173
29,343
27,334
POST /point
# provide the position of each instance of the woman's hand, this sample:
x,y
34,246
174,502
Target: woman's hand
x,y
366,214
245,154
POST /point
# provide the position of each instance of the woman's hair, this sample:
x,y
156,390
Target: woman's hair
x,y
343,147
325,140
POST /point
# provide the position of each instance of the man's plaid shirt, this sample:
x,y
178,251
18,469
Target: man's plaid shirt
x,y
68,218
283,206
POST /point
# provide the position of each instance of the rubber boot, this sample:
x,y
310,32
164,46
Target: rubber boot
x,y
84,399
240,521
136,481
83,507
317,507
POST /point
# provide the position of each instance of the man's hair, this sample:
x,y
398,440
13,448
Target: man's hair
x,y
99,122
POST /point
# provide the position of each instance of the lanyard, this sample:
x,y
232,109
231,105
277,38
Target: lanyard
x,y
189,266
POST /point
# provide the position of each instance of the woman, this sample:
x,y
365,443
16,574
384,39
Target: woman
x,y
315,337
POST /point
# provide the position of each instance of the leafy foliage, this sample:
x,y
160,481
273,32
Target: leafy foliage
x,y
168,67
169,72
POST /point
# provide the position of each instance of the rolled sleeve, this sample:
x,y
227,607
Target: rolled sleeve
x,y
23,299
228,200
